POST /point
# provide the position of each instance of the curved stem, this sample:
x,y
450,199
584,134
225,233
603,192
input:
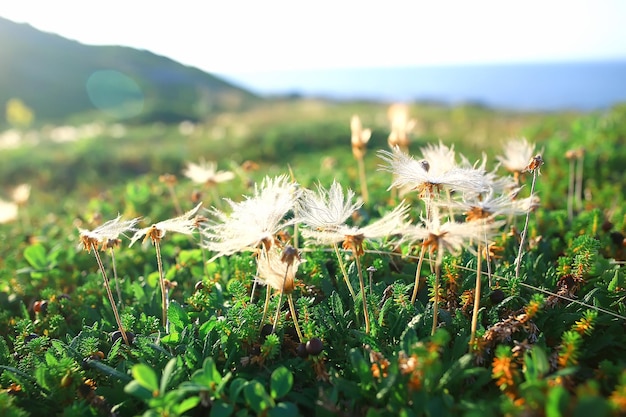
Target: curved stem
x,y
487,255
579,183
476,298
157,248
268,290
179,211
215,196
204,258
343,271
417,274
266,305
518,260
363,294
437,276
110,295
292,308
117,281
280,298
570,190
363,180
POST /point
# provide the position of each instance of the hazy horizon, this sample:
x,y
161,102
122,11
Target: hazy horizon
x,y
578,85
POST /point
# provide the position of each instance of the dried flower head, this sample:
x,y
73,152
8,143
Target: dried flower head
x,y
8,211
516,154
279,266
107,234
448,237
21,194
249,166
417,174
360,137
206,173
326,210
353,237
168,179
440,158
184,224
575,153
535,164
491,204
401,126
255,220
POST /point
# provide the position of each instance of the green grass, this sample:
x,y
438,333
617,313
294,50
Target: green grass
x,y
562,357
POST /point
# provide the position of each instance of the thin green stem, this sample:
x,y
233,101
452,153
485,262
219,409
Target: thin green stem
x,y
570,190
117,281
292,308
518,260
157,248
417,274
437,279
266,306
344,271
215,197
204,257
477,290
110,295
363,293
280,298
579,183
255,283
179,211
487,254
268,291
363,180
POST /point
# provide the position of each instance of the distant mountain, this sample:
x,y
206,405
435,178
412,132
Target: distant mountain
x,y
60,78
541,86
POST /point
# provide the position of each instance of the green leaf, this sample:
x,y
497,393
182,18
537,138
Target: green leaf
x,y
455,370
361,367
171,339
206,327
146,377
208,376
235,388
616,282
22,374
257,397
35,255
167,374
373,413
107,370
536,363
591,406
178,317
557,401
284,409
221,409
187,404
281,382
134,388
190,255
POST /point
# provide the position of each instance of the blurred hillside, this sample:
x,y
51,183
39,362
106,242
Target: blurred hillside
x,y
59,79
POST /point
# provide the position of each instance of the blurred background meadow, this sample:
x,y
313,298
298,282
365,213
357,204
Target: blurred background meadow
x,y
97,96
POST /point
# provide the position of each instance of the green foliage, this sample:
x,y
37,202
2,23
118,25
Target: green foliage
x,y
550,342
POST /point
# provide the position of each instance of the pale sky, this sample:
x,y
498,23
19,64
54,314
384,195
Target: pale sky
x,y
248,36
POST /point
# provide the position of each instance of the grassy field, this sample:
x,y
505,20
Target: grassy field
x,y
549,337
